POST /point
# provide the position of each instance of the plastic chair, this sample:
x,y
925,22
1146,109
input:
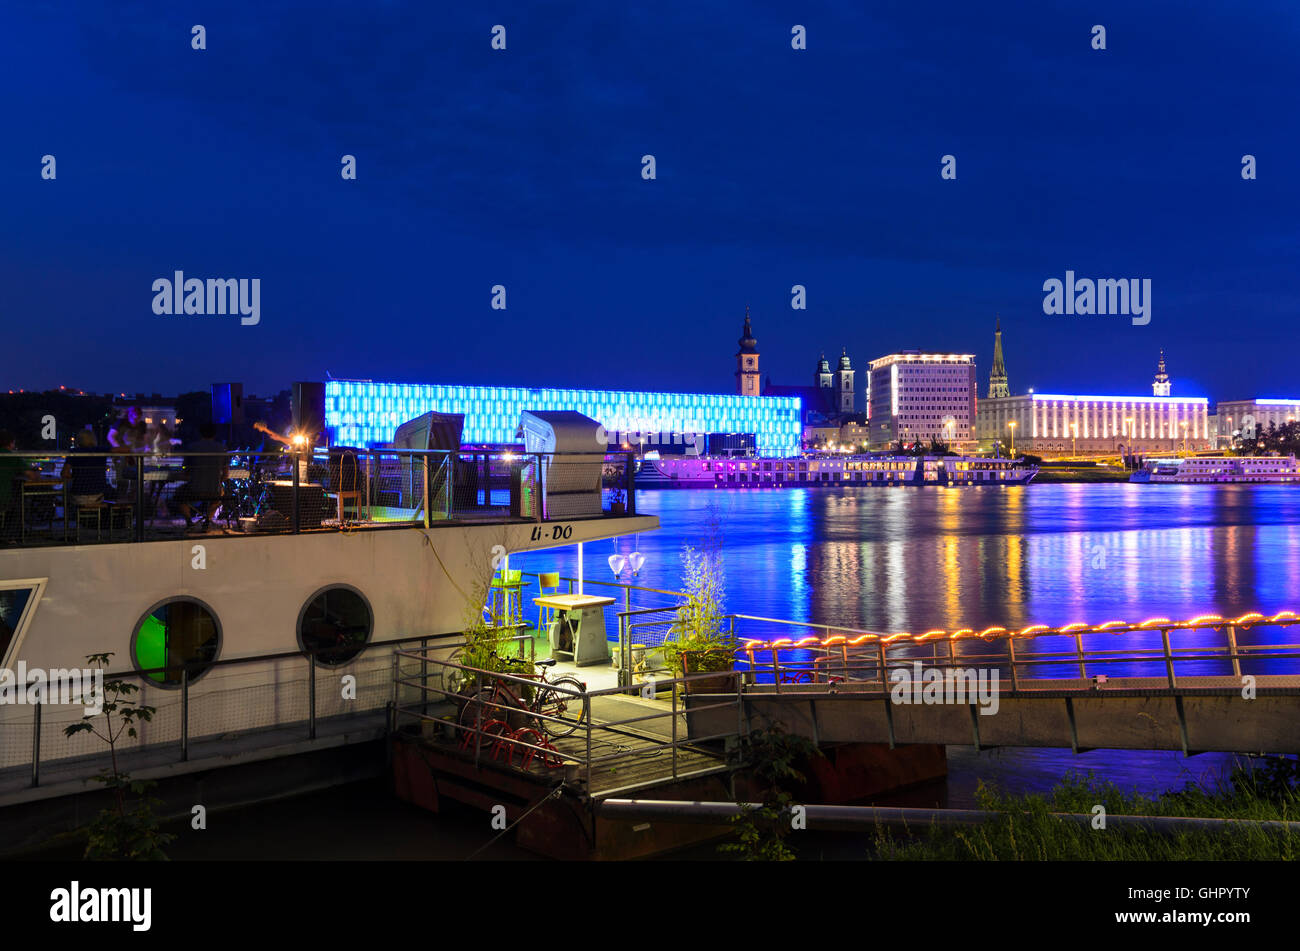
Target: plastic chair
x,y
546,579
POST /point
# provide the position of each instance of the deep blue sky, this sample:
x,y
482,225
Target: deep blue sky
x,y
522,167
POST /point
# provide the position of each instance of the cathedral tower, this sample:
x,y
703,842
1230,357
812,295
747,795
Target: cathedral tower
x,y
998,388
747,379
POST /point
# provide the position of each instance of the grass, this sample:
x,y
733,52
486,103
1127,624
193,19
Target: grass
x,y
1026,829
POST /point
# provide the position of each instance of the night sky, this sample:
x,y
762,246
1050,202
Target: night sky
x,y
522,167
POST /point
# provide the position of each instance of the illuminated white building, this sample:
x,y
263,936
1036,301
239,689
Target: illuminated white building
x,y
1250,417
1047,422
919,397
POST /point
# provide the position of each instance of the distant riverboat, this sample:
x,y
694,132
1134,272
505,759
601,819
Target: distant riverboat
x,y
723,472
1266,469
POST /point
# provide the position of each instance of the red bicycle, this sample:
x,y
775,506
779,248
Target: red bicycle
x,y
560,712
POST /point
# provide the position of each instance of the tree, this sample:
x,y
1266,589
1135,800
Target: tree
x,y
120,833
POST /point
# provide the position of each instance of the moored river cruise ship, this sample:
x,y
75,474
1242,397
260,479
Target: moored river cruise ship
x,y
703,472
1252,469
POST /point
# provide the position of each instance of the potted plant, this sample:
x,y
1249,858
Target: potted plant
x,y
696,641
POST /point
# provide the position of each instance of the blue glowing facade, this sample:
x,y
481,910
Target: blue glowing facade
x,y
367,414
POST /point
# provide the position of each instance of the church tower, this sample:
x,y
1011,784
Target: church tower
x,y
998,388
1160,386
747,380
844,393
824,380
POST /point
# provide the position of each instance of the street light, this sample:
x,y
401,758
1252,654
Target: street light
x,y
1011,424
1184,437
1074,435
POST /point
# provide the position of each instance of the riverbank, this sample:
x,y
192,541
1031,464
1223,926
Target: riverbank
x,y
1088,474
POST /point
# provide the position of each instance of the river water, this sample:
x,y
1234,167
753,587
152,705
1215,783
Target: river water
x,y
914,559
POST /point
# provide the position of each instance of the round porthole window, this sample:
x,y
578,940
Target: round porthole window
x,y
335,625
176,635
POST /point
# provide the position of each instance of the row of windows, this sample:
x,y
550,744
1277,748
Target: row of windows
x,y
183,633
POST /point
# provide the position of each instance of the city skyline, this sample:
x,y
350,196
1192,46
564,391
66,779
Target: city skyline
x,y
521,168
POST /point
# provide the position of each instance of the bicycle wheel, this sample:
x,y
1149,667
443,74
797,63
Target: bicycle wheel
x,y
478,710
568,710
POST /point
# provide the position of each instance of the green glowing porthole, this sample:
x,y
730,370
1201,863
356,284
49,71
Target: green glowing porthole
x,y
177,635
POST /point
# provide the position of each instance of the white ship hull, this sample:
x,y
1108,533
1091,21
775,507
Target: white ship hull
x,y
1253,470
91,599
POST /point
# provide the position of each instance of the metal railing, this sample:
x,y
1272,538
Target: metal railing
x,y
593,744
180,700
122,496
862,660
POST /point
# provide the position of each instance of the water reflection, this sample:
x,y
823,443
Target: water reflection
x,y
895,559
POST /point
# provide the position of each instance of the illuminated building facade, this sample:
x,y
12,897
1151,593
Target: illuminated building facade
x,y
919,397
361,413
1046,422
1249,417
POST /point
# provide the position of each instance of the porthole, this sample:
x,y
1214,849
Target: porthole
x,y
176,634
335,625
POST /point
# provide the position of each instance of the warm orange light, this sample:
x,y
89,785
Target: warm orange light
x,y
1115,626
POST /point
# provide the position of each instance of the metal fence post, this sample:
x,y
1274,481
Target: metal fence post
x,y
674,731
36,745
1011,654
1078,646
1232,646
311,699
1169,657
631,484
139,499
586,716
296,465
426,491
185,713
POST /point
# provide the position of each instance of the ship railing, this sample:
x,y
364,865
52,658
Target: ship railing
x,y
101,496
199,701
523,737
786,655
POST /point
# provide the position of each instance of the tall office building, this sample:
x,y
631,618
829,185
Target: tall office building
x,y
920,397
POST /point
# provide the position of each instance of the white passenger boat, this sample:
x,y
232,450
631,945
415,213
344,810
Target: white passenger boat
x,y
1226,469
386,549
704,472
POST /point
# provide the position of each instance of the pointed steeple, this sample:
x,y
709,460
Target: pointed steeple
x,y
998,388
1161,386
747,342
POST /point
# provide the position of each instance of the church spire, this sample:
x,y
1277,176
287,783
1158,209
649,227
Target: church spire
x,y
998,388
1161,386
